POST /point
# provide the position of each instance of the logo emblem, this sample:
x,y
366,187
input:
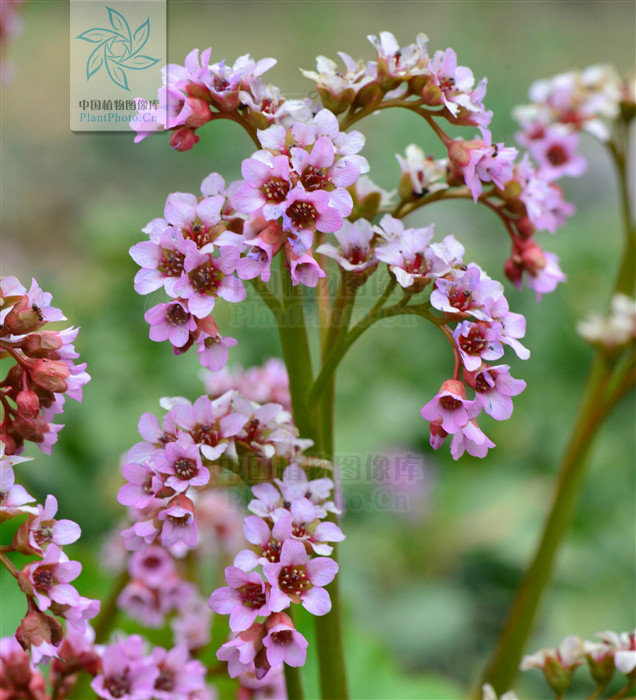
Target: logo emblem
x,y
118,48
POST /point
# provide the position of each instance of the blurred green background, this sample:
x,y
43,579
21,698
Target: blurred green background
x,y
426,589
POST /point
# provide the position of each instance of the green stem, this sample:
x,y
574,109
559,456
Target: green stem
x,y
626,279
504,666
108,612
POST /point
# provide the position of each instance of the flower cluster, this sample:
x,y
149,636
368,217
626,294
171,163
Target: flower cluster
x,y
196,93
40,368
615,330
287,529
193,254
163,472
46,579
128,671
267,383
408,71
464,295
154,589
615,652
37,383
296,186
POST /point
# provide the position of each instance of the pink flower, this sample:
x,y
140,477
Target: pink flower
x,y
470,438
478,341
207,277
283,643
244,599
295,579
454,84
355,253
172,322
451,406
301,523
161,262
241,651
178,674
556,154
267,183
493,388
13,497
44,529
268,543
143,485
50,578
306,212
468,291
182,462
179,524
479,161
213,350
303,268
125,671
404,251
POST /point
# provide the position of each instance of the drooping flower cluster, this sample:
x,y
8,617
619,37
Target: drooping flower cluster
x,y
163,472
289,535
615,652
46,579
41,373
40,367
464,295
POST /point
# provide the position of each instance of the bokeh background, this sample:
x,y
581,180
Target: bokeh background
x,y
429,572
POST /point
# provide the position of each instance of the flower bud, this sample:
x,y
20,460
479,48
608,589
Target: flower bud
x,y
532,257
23,317
42,344
37,628
601,669
525,227
199,91
431,94
28,403
513,271
558,677
183,139
459,153
337,103
201,113
50,374
371,92
32,429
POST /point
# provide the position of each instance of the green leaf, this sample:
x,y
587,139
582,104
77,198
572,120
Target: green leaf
x,y
96,35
